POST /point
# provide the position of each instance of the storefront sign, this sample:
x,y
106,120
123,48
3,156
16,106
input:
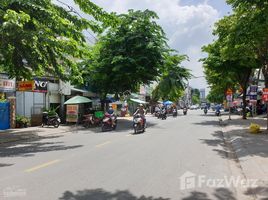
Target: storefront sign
x,y
253,89
40,85
71,113
25,85
265,94
7,85
229,92
229,98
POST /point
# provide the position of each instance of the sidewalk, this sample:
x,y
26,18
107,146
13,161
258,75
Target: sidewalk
x,y
13,135
251,150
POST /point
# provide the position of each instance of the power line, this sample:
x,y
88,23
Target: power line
x,y
72,9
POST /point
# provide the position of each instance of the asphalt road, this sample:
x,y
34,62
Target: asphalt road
x,y
117,165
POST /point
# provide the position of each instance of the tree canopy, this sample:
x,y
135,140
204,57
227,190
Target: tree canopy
x,y
172,81
129,54
39,37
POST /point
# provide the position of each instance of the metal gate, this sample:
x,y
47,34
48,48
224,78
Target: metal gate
x,y
4,116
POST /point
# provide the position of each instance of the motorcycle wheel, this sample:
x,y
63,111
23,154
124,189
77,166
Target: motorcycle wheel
x,y
56,124
135,130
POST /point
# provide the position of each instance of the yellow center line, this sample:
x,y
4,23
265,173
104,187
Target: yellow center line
x,y
102,144
42,166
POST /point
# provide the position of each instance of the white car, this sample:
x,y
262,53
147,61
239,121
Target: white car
x,y
193,107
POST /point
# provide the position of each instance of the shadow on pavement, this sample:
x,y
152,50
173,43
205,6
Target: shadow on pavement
x,y
259,191
29,147
208,123
5,165
100,194
219,194
220,145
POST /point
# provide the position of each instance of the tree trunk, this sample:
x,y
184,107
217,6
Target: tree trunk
x,y
244,102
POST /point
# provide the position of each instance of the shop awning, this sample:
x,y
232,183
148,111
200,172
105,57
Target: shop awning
x,y
78,100
138,101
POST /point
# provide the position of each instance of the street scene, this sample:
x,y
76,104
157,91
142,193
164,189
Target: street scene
x,y
133,100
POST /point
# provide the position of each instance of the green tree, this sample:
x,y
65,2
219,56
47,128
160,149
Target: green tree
x,y
173,79
39,37
251,30
195,94
129,54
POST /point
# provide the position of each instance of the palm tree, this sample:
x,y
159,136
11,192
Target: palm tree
x,y
173,79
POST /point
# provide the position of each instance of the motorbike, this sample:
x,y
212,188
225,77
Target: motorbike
x,y
184,111
174,112
109,122
205,111
52,120
90,120
156,114
163,114
217,112
138,124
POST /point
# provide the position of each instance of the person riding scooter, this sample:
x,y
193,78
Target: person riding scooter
x,y
111,113
205,110
141,111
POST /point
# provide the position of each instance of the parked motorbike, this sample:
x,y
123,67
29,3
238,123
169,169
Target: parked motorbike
x,y
156,114
174,112
184,111
138,124
205,111
52,120
109,122
90,120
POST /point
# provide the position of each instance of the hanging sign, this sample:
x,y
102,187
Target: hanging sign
x,y
71,113
25,85
40,85
7,85
265,94
229,92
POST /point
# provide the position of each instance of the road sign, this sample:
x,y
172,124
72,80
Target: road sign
x,y
265,94
229,92
229,97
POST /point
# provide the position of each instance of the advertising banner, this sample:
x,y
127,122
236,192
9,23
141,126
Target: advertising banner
x,y
7,85
71,113
25,85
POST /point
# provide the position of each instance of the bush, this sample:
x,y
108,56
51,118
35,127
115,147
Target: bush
x,y
22,122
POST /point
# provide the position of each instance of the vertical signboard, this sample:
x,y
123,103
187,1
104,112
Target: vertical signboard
x,y
71,113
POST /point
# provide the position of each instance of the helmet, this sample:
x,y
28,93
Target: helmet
x,y
141,105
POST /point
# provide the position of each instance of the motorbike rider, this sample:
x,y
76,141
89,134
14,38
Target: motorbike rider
x,y
141,111
111,113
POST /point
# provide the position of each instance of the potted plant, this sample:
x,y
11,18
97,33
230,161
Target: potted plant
x,y
22,122
25,122
18,121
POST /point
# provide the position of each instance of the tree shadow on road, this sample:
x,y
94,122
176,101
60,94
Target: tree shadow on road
x,y
259,191
219,194
25,148
5,165
221,147
100,194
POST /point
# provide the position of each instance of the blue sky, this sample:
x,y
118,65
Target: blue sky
x,y
187,23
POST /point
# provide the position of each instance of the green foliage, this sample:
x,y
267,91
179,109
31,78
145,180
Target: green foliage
x,y
128,55
195,93
41,38
173,78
